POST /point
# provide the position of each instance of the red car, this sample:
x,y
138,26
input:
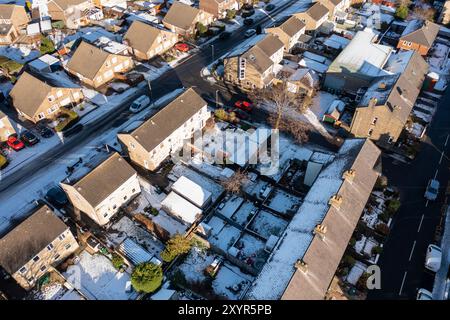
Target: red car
x,y
14,143
183,47
244,105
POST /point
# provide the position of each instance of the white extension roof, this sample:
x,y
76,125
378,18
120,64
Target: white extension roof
x,y
180,207
191,191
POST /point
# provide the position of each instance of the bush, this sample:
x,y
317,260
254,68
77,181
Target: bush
x,y
201,28
117,261
179,279
47,46
146,277
231,14
377,250
221,114
68,117
402,12
176,246
393,205
348,261
154,211
382,228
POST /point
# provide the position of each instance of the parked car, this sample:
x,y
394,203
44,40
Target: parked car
x,y
29,138
250,32
15,143
140,104
270,7
183,47
432,190
244,105
44,131
424,294
225,35
73,130
247,11
56,197
3,161
433,258
249,22
241,114
132,78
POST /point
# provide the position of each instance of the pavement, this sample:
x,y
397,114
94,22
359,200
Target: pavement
x,y
441,288
414,225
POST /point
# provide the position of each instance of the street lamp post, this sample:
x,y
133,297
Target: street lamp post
x,y
212,52
150,90
217,99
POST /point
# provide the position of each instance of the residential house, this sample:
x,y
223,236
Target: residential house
x,y
300,81
15,15
103,191
96,67
8,34
218,8
361,61
314,17
45,99
257,66
322,227
182,18
444,17
36,245
334,6
147,41
6,127
72,12
151,143
288,32
419,36
385,108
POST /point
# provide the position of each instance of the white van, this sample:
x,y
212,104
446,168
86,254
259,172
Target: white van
x,y
140,103
433,258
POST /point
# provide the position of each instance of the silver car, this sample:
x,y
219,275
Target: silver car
x,y
432,190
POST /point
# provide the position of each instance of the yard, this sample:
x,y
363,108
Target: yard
x,y
284,203
267,224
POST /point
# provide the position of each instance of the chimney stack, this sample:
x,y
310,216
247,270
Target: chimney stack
x,y
302,266
320,230
372,102
335,201
349,175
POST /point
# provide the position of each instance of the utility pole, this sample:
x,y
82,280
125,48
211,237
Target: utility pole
x,y
212,52
217,98
150,90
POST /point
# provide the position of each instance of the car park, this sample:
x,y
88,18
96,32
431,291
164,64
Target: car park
x,y
140,104
432,190
15,143
29,138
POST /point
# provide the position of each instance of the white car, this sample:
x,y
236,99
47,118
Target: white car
x,y
250,32
140,104
433,258
424,294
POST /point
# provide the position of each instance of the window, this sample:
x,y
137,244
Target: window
x,y
105,214
56,257
30,279
370,132
114,207
390,140
50,247
51,98
132,145
67,246
125,198
52,109
43,268
62,237
23,270
114,60
41,115
59,93
36,259
133,190
76,95
374,120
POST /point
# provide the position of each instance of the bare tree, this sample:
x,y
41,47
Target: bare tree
x,y
424,13
282,99
235,182
298,129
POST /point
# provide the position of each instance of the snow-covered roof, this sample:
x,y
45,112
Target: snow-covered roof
x,y
191,191
134,252
296,240
336,42
181,208
362,55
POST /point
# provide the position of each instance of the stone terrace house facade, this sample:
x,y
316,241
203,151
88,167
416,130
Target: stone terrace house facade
x,y
305,259
96,67
40,242
419,36
150,144
288,32
182,19
385,108
255,67
314,17
6,127
147,41
44,100
72,12
218,8
103,191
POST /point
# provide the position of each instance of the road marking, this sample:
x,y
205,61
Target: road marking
x,y
420,224
403,282
412,250
435,175
442,155
446,140
426,204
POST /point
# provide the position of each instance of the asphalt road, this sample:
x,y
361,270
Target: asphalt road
x,y
185,74
414,225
